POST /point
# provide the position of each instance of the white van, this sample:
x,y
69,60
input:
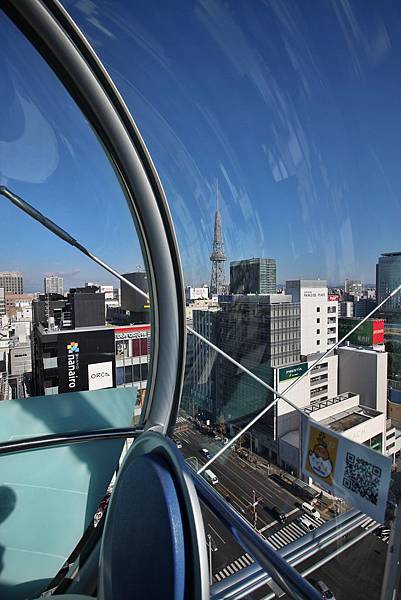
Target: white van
x,y
305,523
310,510
210,477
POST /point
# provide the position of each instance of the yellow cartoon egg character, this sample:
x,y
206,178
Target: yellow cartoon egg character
x,y
319,457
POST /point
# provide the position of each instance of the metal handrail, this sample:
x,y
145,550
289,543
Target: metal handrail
x,y
67,438
285,576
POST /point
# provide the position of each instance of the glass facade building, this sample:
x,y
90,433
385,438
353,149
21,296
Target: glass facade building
x,y
253,276
260,332
388,278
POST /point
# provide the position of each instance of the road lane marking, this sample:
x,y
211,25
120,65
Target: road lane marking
x,y
236,565
215,532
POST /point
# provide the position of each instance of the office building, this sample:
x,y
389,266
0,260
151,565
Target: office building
x,y
369,293
345,414
11,282
73,360
87,307
131,300
363,307
370,333
51,309
53,284
15,302
91,358
260,332
132,351
317,386
82,307
2,302
319,314
201,367
388,278
253,276
346,308
353,287
196,293
20,358
364,372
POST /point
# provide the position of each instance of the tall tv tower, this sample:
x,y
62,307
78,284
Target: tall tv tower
x,y
218,258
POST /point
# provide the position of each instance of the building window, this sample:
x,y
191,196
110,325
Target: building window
x,y
317,320
317,331
120,375
318,309
318,342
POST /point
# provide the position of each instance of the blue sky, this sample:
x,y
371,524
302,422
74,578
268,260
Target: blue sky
x,y
293,106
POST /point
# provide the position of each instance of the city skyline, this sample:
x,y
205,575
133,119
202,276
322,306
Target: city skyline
x,y
300,178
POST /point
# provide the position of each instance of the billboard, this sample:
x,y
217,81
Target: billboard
x,y
292,372
100,375
86,360
346,469
333,298
378,331
371,332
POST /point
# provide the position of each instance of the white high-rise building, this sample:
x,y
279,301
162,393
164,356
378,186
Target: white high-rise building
x,y
54,284
318,314
196,293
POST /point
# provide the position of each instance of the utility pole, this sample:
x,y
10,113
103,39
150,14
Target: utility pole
x,y
253,506
209,543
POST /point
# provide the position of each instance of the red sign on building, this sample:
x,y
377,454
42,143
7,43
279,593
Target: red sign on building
x,y
333,298
378,331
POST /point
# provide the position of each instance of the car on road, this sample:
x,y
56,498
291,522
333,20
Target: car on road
x,y
304,523
310,510
327,594
178,443
278,515
205,452
210,477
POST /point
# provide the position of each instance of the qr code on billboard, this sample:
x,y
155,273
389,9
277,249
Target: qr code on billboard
x,y
361,477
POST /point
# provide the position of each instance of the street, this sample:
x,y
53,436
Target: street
x,y
238,480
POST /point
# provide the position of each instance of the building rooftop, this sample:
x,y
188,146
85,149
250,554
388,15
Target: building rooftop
x,y
320,404
391,254
45,331
263,298
350,418
363,349
312,283
248,261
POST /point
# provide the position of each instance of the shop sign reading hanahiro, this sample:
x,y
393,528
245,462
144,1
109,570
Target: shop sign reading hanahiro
x,y
347,469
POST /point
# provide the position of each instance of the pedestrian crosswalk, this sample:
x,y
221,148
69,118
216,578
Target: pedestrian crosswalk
x,y
382,532
367,523
240,563
291,532
286,535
